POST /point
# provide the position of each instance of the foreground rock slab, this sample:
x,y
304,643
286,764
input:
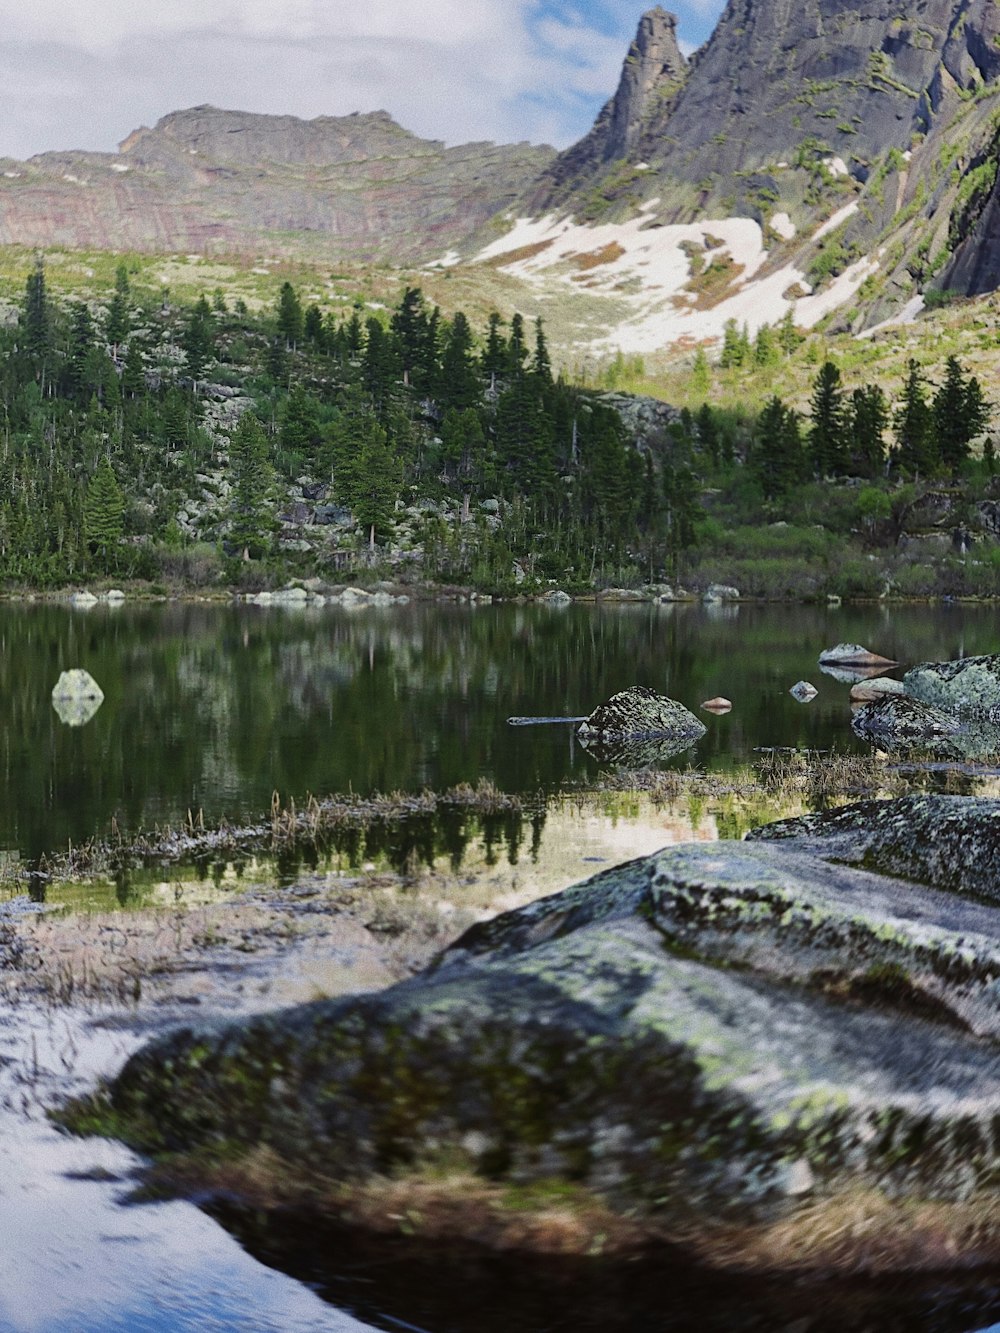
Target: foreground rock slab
x,y
715,1036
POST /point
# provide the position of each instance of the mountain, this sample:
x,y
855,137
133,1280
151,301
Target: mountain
x,y
862,140
206,180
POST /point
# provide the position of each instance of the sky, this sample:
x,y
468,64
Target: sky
x,y
85,73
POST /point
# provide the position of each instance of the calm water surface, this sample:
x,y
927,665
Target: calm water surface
x,y
213,708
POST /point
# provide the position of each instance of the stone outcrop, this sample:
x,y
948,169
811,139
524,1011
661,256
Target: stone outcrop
x,y
732,1035
952,842
76,697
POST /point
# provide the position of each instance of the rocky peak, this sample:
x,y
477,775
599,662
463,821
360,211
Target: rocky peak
x,y
653,66
653,74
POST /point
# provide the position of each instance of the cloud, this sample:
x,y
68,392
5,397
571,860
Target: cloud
x,y
83,75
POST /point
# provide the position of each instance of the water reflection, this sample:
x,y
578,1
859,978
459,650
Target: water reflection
x,y
212,708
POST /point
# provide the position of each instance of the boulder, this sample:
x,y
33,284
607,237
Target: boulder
x,y
639,713
967,685
721,592
898,724
877,688
853,655
83,599
734,1035
803,692
556,597
114,595
717,705
76,697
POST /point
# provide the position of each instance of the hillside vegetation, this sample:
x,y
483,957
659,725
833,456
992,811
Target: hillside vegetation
x,y
244,440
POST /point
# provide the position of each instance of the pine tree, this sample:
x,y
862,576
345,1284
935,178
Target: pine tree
x,y
777,455
290,320
960,414
36,322
868,420
459,387
198,339
103,511
250,486
541,365
494,359
116,327
916,453
828,446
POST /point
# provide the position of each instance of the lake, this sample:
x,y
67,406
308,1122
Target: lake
x,y
212,709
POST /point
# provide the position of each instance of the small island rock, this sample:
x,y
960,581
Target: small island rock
x,y
803,692
639,712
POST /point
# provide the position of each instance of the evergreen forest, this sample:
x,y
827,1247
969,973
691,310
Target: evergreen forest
x,y
211,445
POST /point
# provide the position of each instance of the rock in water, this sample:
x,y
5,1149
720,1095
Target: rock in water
x,y
77,684
898,720
638,713
853,655
76,697
803,692
729,1033
718,705
721,592
967,685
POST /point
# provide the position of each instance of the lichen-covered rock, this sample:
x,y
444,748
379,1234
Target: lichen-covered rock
x,y
967,685
952,842
899,724
639,712
712,1033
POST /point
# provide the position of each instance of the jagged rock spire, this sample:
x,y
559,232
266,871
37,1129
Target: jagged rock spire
x,y
653,66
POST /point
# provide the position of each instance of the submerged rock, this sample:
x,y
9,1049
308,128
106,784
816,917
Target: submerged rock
x,y
967,685
639,713
803,692
731,1032
634,751
718,705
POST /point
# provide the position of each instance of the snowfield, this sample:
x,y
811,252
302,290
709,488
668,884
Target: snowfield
x,y
658,296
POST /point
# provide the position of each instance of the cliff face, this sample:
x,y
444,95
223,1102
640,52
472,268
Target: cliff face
x,y
356,187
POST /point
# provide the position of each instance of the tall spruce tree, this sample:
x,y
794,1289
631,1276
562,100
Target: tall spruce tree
x,y
103,512
777,456
828,446
916,451
960,414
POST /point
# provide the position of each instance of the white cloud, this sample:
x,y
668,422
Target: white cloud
x,y
83,73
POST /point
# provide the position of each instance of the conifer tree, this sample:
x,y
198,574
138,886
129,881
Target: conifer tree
x,y
250,487
459,380
494,359
777,455
868,420
290,319
103,511
960,414
828,446
916,454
